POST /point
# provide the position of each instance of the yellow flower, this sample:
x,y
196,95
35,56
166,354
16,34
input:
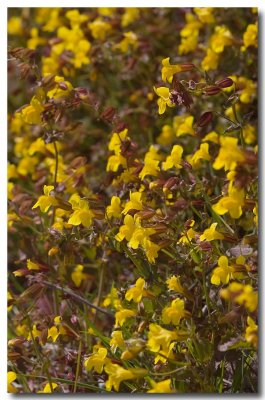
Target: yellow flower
x,y
34,333
211,234
114,210
160,338
117,341
126,231
75,17
205,14
164,100
11,377
137,292
167,136
175,312
221,38
161,387
255,212
189,34
232,203
48,388
130,15
183,125
82,214
46,201
32,266
100,29
173,283
241,294
247,89
32,113
169,70
53,333
135,202
118,374
174,159
229,154
112,299
201,154
122,314
35,39
249,134
78,275
210,61
223,273
115,161
62,88
97,361
15,26
251,334
250,37
130,40
211,137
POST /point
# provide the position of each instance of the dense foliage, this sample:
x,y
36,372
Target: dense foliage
x,y
132,200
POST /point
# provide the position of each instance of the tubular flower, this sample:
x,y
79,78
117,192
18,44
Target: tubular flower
x,y
122,314
130,15
210,61
130,40
173,283
117,341
221,38
137,292
169,70
151,162
62,88
82,213
205,14
201,154
229,154
46,201
241,294
118,374
211,234
11,377
174,159
32,113
78,275
135,202
48,388
97,361
167,136
223,273
250,37
183,125
114,210
112,299
232,203
175,312
164,100
99,29
251,334
161,387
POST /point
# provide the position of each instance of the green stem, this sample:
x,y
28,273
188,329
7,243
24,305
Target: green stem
x,y
78,365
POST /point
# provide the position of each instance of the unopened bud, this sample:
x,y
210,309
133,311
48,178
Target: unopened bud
x,y
170,183
212,90
205,119
187,67
146,214
53,251
224,83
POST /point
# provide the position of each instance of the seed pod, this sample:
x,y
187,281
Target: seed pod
x,y
108,114
170,183
205,119
212,90
146,214
224,83
187,67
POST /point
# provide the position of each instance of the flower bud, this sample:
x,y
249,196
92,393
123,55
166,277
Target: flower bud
x,y
170,183
205,119
212,90
187,67
224,83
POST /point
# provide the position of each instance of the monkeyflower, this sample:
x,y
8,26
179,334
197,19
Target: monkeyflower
x,y
211,234
47,200
11,377
117,341
82,213
118,374
251,334
97,361
114,209
229,154
161,387
174,159
223,273
164,100
241,294
48,388
135,202
175,312
169,70
122,314
137,292
232,203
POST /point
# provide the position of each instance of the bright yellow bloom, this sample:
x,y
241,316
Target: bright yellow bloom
x,y
34,333
47,200
35,39
61,89
130,40
211,137
173,283
130,15
221,38
250,37
232,203
14,26
53,333
114,209
160,338
115,161
189,34
11,377
205,14
210,61
164,100
122,314
117,341
229,154
247,89
241,294
161,387
175,312
174,159
169,70
211,234
32,113
99,29
48,388
78,275
32,266
116,141
82,214
167,136
251,334
75,17
135,202
112,299
249,134
118,374
151,249
137,292
97,361
223,273
126,231
201,154
183,125
255,212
